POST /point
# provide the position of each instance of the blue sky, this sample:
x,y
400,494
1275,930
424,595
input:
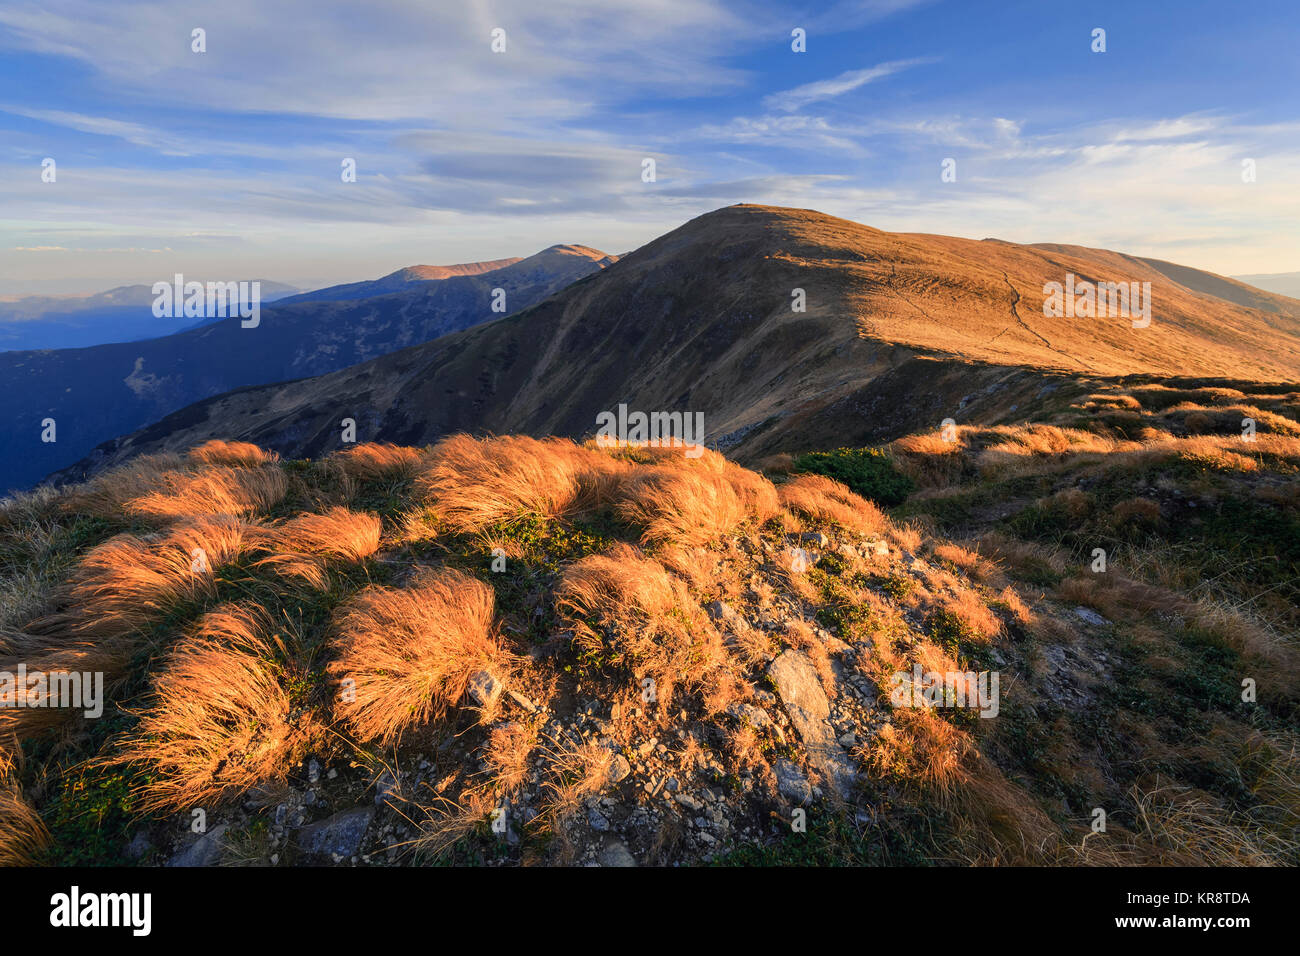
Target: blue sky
x,y
226,163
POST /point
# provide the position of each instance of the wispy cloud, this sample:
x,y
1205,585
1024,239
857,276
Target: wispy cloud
x,y
229,161
801,96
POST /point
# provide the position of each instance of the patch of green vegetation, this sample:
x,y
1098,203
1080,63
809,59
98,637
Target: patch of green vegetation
x,y
833,839
949,631
897,585
949,511
869,472
386,497
1025,735
90,818
1042,521
538,552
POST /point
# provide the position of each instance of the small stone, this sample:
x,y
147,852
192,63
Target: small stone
x,y
598,821
384,786
205,851
483,688
339,835
140,845
792,784
616,853
689,802
619,769
1091,616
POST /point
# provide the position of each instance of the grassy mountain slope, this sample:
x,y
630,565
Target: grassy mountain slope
x,y
510,651
96,393
900,330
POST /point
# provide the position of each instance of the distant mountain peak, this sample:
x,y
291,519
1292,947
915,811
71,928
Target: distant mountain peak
x,y
575,249
427,273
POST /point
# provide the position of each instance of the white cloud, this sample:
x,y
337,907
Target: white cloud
x,y
800,96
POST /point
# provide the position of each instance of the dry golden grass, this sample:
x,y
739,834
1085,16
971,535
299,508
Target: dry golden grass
x,y
119,589
918,746
1045,440
220,721
1181,826
980,624
374,460
106,495
410,652
234,453
792,566
1026,558
682,506
930,460
41,655
509,747
752,645
744,749
1119,597
906,537
215,490
230,710
1019,610
698,566
128,581
23,836
573,772
823,499
969,560
447,821
627,608
299,546
994,821
474,484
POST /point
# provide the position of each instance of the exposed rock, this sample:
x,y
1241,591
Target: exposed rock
x,y
384,786
140,845
722,612
522,701
339,835
205,851
619,769
809,710
483,688
792,784
616,853
1091,617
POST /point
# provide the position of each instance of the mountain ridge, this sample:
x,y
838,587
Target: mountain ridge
x,y
95,393
701,318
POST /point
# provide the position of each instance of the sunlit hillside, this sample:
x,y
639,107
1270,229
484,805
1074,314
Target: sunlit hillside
x,y
509,650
